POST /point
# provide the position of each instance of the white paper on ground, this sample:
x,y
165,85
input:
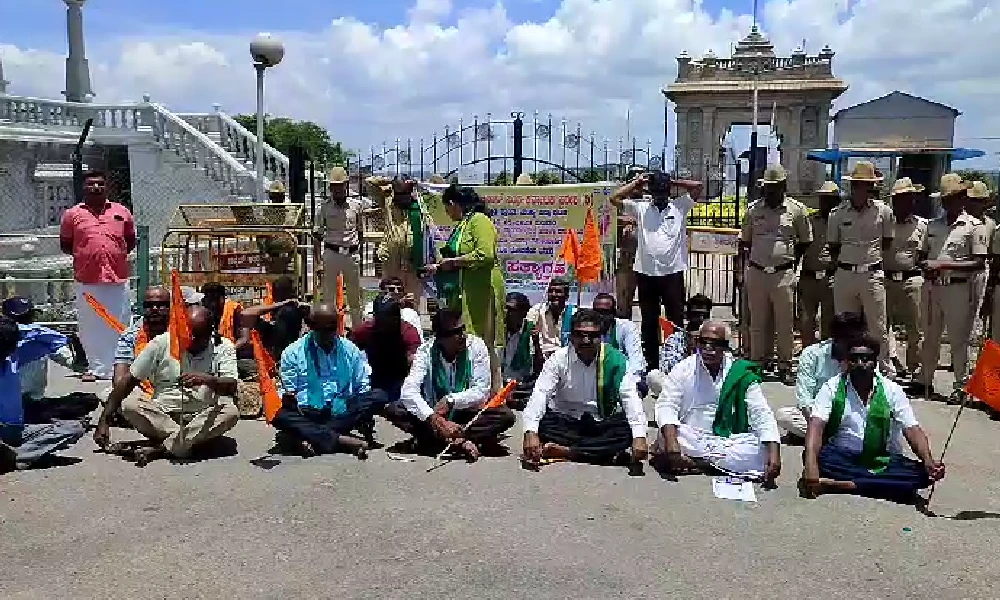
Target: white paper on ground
x,y
733,488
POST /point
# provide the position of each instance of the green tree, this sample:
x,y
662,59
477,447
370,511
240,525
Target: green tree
x,y
503,178
282,133
591,176
544,178
976,175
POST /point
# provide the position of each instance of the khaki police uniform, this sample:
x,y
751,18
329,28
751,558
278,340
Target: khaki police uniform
x,y
903,284
947,299
816,285
772,235
859,283
339,226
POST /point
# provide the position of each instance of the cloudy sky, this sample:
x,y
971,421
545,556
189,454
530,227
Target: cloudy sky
x,y
375,70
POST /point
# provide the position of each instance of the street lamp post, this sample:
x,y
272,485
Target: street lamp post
x,y
266,52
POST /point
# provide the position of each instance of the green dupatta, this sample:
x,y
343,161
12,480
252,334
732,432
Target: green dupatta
x,y
732,416
416,219
522,356
448,282
611,368
439,375
874,453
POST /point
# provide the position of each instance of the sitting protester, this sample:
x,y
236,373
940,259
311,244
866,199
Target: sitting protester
x,y
279,323
226,315
390,345
192,400
447,386
325,391
585,406
35,374
682,342
407,302
552,317
854,443
622,335
817,364
522,352
23,445
712,414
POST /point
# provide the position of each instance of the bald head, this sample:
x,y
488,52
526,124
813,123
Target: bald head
x,y
157,293
324,322
199,319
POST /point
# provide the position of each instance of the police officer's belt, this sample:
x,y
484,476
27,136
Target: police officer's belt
x,y
903,275
340,249
860,268
777,269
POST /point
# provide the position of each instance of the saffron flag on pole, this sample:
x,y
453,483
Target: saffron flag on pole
x,y
569,252
984,384
666,327
588,268
341,328
501,398
269,395
180,331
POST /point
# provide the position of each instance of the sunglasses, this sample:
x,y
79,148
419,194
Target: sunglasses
x,y
861,357
587,335
713,343
453,332
156,304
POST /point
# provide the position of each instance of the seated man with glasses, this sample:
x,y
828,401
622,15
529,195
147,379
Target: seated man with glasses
x,y
447,386
854,444
326,392
585,406
623,335
713,415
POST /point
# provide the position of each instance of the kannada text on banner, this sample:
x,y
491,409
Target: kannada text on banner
x,y
531,222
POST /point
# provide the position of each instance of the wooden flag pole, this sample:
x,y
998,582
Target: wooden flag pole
x,y
947,442
437,459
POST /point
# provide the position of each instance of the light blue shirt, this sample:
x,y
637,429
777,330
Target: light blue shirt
x,y
629,341
36,343
344,373
816,367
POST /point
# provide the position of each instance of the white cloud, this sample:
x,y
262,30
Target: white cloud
x,y
592,61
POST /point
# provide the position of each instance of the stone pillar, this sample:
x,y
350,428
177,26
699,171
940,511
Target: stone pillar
x,y
707,143
681,141
792,148
77,68
3,82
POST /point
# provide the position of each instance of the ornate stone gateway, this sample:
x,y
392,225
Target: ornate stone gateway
x,y
713,94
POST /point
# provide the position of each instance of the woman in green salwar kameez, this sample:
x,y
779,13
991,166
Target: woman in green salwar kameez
x,y
469,276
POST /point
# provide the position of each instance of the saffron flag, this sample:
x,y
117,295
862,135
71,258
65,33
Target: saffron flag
x,y
180,331
102,312
501,398
569,252
985,381
667,327
140,342
340,304
270,397
588,268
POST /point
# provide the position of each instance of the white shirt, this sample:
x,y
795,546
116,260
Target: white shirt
x,y
569,387
412,393
690,396
662,243
851,435
509,351
408,315
549,328
630,343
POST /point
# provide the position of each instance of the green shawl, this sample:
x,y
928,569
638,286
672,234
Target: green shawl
x,y
611,368
874,455
522,356
732,416
611,337
439,376
416,219
448,282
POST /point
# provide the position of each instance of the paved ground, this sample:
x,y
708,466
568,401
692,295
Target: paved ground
x,y
334,526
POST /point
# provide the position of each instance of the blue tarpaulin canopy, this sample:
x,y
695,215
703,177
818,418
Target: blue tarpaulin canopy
x,y
832,156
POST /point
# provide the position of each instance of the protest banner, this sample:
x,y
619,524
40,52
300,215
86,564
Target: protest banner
x,y
531,222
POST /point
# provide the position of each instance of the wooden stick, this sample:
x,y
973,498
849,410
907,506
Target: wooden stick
x,y
947,442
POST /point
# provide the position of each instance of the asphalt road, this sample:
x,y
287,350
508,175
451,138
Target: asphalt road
x,y
338,527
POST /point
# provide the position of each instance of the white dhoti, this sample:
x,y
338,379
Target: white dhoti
x,y
97,337
791,419
741,453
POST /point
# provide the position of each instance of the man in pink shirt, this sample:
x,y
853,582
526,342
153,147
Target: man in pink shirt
x,y
99,234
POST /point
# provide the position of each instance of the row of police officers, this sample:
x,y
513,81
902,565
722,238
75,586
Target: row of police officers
x,y
859,254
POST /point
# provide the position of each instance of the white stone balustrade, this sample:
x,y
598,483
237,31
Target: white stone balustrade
x,y
186,141
17,110
240,141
